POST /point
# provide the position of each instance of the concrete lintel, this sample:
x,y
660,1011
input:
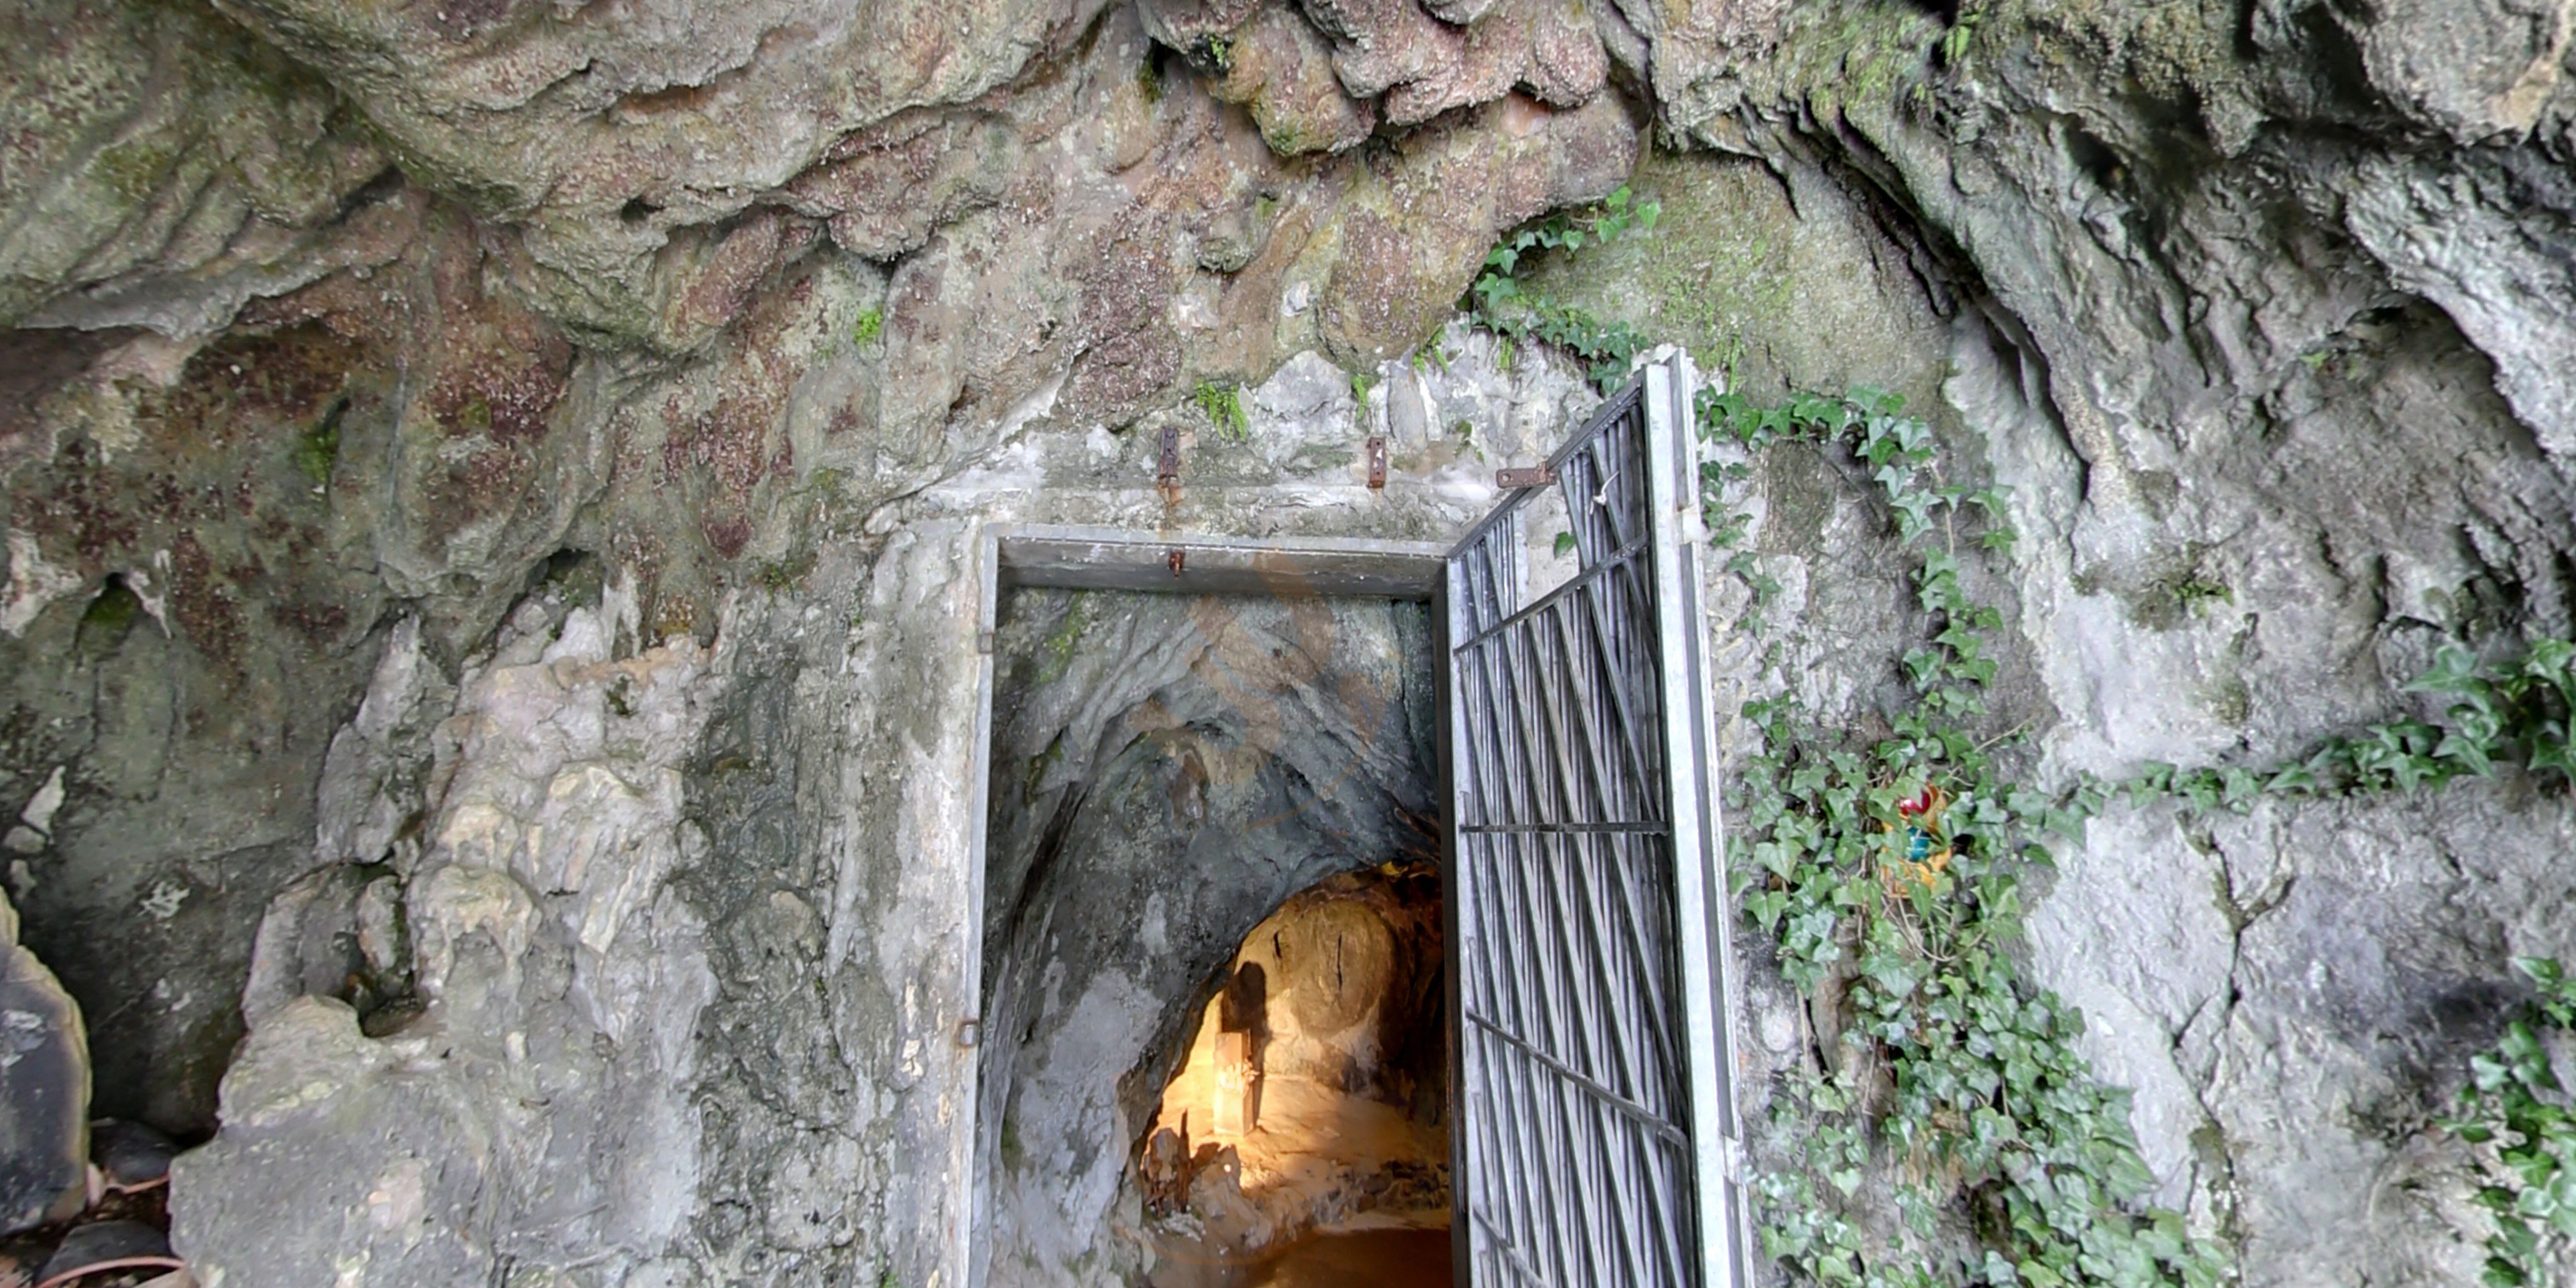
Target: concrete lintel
x,y
1111,559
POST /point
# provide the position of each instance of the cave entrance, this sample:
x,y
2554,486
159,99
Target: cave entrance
x,y
1209,758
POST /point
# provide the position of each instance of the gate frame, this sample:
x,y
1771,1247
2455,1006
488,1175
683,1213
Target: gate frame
x,y
1722,1219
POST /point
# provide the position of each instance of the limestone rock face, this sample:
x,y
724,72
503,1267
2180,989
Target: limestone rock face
x,y
2237,313
561,982
686,933
415,388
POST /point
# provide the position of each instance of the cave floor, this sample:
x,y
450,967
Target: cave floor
x,y
1373,1258
1309,1138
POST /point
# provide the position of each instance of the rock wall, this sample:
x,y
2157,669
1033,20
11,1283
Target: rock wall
x,y
285,379
359,359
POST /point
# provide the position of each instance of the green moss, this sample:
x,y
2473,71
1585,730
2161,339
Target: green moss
x,y
1039,764
778,575
869,326
2182,592
2229,700
1223,406
133,169
1013,1155
1056,651
106,622
319,449
1149,77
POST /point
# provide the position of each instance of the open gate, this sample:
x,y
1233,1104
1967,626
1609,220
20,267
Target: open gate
x,y
1594,1126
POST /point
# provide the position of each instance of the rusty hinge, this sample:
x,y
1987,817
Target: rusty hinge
x,y
1534,476
1170,469
983,641
970,1031
1175,558
1377,463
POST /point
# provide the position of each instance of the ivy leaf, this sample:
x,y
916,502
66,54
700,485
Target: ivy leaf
x,y
1914,513
2468,750
2292,778
2453,671
2550,751
2238,790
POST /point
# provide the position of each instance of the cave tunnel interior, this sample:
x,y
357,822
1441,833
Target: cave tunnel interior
x,y
1215,1013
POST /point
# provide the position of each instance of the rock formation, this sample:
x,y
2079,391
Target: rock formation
x,y
493,495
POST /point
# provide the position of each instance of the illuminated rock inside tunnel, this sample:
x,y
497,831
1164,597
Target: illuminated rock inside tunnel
x,y
1313,1099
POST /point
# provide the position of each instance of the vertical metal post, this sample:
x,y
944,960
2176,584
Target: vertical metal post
x,y
1445,626
985,548
1699,886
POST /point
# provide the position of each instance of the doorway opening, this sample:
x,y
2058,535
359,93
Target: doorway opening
x,y
1212,829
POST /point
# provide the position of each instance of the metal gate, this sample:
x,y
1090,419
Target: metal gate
x,y
1595,1118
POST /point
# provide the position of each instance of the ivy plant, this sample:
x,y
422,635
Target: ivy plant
x,y
1887,874
2513,712
2519,1115
1499,301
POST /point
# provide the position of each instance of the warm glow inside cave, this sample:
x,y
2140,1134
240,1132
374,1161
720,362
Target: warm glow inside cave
x,y
1305,1136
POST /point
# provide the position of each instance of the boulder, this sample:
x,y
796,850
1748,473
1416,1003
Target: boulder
x,y
44,1079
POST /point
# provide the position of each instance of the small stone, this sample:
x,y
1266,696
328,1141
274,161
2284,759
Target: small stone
x,y
39,813
124,1245
131,1155
23,839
